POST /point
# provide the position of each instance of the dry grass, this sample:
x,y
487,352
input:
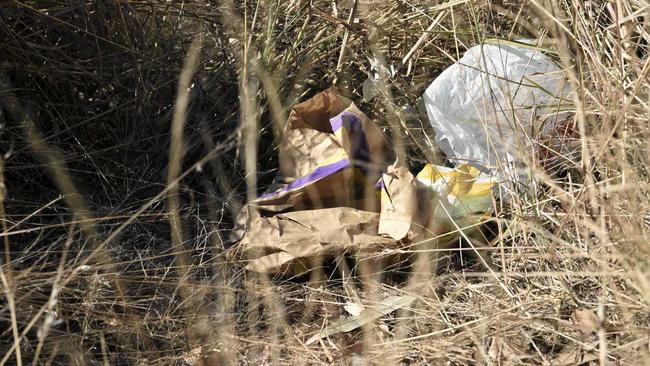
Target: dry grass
x,y
133,131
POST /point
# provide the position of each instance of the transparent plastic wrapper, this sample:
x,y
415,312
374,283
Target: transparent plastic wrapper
x,y
495,102
378,72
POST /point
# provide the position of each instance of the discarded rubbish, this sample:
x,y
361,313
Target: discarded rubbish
x,y
463,197
287,242
331,197
493,101
336,193
330,152
379,72
438,202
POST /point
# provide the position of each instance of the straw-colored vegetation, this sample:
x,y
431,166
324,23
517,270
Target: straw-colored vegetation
x,y
132,132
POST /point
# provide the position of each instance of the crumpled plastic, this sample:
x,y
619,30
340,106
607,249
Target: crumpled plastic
x,y
488,106
463,197
378,72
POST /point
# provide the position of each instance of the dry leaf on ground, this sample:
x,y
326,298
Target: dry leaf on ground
x,y
369,314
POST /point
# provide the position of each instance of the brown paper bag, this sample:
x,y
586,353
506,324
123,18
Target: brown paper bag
x,y
275,243
331,155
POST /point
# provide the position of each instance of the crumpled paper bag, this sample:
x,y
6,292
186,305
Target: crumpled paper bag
x,y
331,153
276,244
405,204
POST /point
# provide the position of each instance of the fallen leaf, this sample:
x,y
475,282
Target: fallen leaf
x,y
353,309
369,314
504,353
193,356
573,356
586,320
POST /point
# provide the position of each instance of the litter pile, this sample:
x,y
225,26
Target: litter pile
x,y
337,191
339,195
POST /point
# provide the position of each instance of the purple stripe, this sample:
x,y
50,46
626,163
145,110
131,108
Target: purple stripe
x,y
337,121
358,144
316,174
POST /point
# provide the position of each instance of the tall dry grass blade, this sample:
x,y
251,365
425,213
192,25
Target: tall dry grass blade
x,y
6,278
176,155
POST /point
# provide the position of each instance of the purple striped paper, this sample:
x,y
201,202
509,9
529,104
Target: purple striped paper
x,y
315,175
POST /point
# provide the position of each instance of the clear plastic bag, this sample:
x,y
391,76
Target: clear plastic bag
x,y
490,106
